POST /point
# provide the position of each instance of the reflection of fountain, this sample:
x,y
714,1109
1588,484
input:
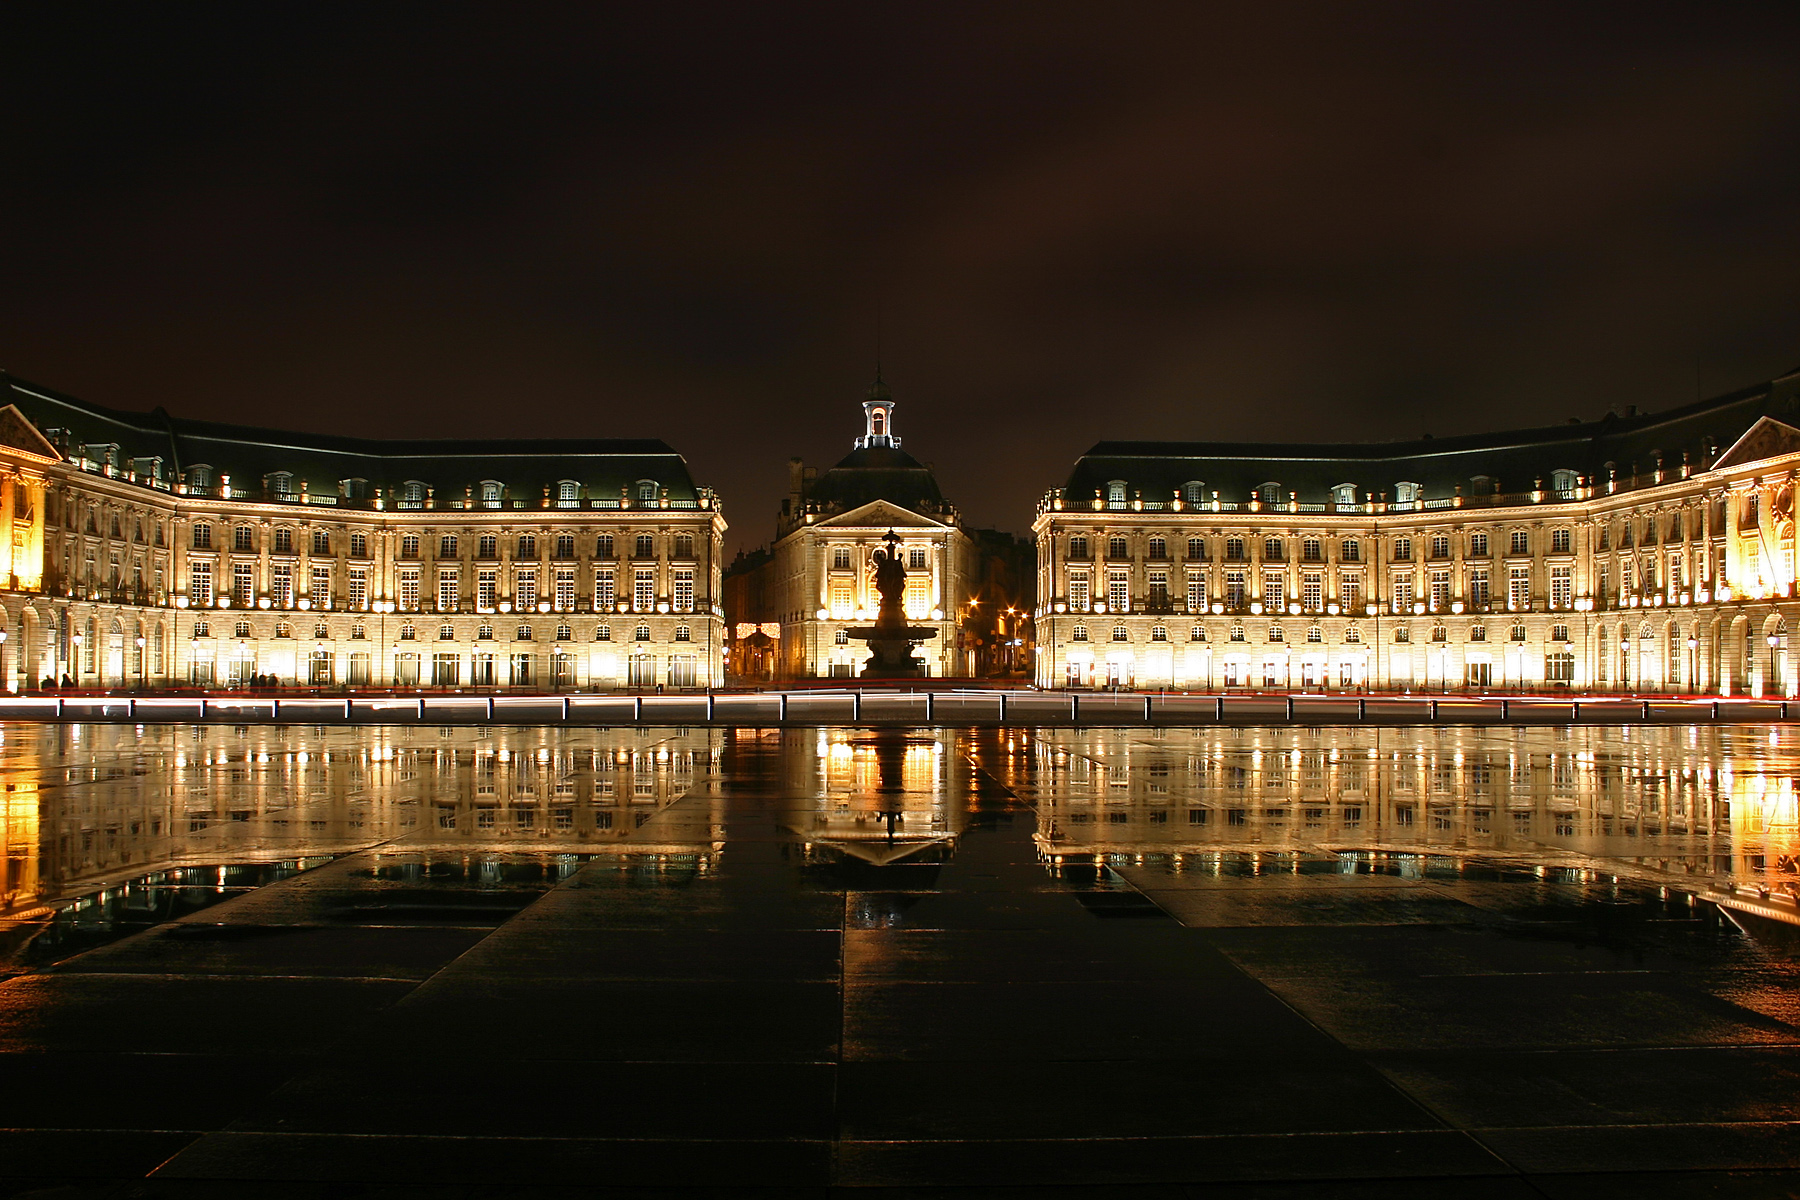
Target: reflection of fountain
x,y
883,802
891,639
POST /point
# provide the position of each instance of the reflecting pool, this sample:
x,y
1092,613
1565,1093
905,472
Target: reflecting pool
x,y
476,961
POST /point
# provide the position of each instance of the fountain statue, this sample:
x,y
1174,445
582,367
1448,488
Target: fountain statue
x,y
891,639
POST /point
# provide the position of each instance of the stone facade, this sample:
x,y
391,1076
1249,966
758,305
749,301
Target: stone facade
x,y
1639,553
172,552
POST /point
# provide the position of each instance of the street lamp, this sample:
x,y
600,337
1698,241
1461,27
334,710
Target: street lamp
x,y
1774,641
1693,645
140,641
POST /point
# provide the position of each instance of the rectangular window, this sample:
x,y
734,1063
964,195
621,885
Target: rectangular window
x,y
643,590
1521,542
1235,591
1403,593
444,672
359,589
1479,596
447,546
321,587
281,585
321,542
487,587
1159,589
840,558
1562,587
1196,548
1559,541
409,589
202,537
449,584
409,546
1440,546
1518,588
684,591
359,545
1352,551
525,596
521,670
200,584
917,602
565,589
1675,572
604,595
1440,591
1350,593
1478,547
1196,591
406,670
1312,591
360,663
243,584
843,599
603,546
915,559
481,670
487,546
1078,591
1118,591
565,545
1078,547
1274,591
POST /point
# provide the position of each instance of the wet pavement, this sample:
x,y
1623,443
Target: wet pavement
x,y
563,962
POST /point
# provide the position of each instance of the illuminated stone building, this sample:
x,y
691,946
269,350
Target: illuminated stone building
x,y
1642,552
148,549
820,581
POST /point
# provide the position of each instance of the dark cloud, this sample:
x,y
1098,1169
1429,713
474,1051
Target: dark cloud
x,y
1341,221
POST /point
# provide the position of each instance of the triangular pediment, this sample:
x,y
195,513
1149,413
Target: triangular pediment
x,y
17,433
881,513
1766,439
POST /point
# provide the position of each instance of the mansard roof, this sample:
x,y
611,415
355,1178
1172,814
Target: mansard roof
x,y
249,454
1615,447
876,473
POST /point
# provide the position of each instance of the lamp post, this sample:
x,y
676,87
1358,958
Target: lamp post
x,y
1693,645
1774,641
140,642
75,657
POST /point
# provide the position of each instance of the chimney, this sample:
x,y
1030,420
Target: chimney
x,y
796,481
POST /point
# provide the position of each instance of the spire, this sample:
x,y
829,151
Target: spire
x,y
878,416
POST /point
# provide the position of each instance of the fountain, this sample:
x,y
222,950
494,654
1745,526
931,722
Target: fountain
x,y
891,639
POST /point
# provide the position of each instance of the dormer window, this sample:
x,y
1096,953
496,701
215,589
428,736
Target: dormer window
x,y
1193,491
646,492
1407,493
1269,493
200,479
1115,494
490,493
412,493
568,493
1563,482
280,485
353,489
1344,495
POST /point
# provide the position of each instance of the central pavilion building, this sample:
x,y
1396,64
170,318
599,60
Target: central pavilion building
x,y
1646,552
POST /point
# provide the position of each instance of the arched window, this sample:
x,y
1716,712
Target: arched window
x,y
1315,634
568,493
1406,493
242,629
603,633
1119,634
1518,633
563,633
1353,634
1115,493
683,634
1344,494
1080,634
446,633
200,479
490,493
1198,634
1562,482
412,492
1159,633
1269,493
280,484
642,634
646,492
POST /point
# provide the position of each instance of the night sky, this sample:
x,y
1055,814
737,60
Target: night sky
x,y
1077,222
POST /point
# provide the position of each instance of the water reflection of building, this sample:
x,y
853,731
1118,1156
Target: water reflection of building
x,y
1646,552
87,806
1691,802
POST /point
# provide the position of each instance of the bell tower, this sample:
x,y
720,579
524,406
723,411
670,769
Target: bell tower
x,y
878,417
